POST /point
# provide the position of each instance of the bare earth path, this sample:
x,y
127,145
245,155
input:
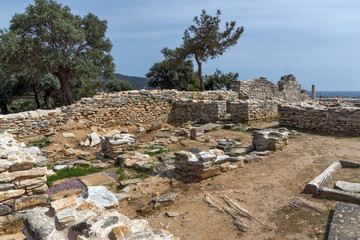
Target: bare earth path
x,y
265,188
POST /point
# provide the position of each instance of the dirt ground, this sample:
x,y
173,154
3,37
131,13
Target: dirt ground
x,y
265,188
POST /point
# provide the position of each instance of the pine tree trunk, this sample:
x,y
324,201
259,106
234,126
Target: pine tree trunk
x,y
47,99
200,74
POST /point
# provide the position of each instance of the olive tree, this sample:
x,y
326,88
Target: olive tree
x,y
48,38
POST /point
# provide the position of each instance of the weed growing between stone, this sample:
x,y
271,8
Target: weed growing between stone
x,y
44,142
71,172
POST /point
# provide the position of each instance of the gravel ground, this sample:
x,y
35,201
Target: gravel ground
x,y
73,183
112,174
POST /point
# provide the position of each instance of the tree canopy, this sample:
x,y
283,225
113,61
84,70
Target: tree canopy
x,y
116,85
204,40
49,44
169,74
220,80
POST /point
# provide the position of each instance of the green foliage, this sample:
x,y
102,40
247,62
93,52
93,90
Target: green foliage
x,y
44,142
204,41
121,177
220,80
116,85
87,88
48,38
160,150
173,74
71,172
135,82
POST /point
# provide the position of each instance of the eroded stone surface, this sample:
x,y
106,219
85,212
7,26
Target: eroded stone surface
x,y
345,222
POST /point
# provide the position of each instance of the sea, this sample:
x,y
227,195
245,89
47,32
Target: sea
x,y
334,94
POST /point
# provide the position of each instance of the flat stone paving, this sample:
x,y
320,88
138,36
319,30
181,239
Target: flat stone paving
x,y
345,224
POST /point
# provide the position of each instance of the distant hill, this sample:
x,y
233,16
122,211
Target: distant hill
x,y
138,82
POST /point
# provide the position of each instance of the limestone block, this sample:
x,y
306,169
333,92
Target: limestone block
x,y
63,203
11,194
4,165
35,172
30,181
100,196
120,232
5,209
37,225
65,217
40,190
29,201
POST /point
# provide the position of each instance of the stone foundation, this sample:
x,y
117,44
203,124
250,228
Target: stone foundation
x,y
22,181
342,120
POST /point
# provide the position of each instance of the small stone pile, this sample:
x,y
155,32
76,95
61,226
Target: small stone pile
x,y
87,217
269,139
22,181
113,146
191,167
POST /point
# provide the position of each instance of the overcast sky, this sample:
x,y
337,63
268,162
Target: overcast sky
x,y
317,41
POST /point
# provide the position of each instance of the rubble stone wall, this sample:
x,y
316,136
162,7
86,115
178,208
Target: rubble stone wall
x,y
343,120
145,107
260,88
106,110
253,110
203,111
22,181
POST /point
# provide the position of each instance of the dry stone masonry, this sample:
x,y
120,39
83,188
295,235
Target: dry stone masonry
x,y
252,110
287,89
147,107
339,119
113,146
22,181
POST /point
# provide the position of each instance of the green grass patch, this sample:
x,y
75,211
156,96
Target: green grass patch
x,y
160,150
71,172
163,136
237,140
44,142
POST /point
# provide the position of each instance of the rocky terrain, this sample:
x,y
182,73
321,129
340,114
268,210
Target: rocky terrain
x,y
239,187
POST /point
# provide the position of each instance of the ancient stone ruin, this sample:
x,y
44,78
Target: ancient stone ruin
x,y
88,217
287,89
22,181
174,125
334,119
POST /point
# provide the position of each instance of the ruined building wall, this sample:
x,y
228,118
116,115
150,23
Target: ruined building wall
x,y
342,120
104,110
253,110
287,89
22,181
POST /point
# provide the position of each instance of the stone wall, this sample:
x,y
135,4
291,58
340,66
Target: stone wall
x,y
145,107
106,110
343,120
197,110
22,181
260,88
252,110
